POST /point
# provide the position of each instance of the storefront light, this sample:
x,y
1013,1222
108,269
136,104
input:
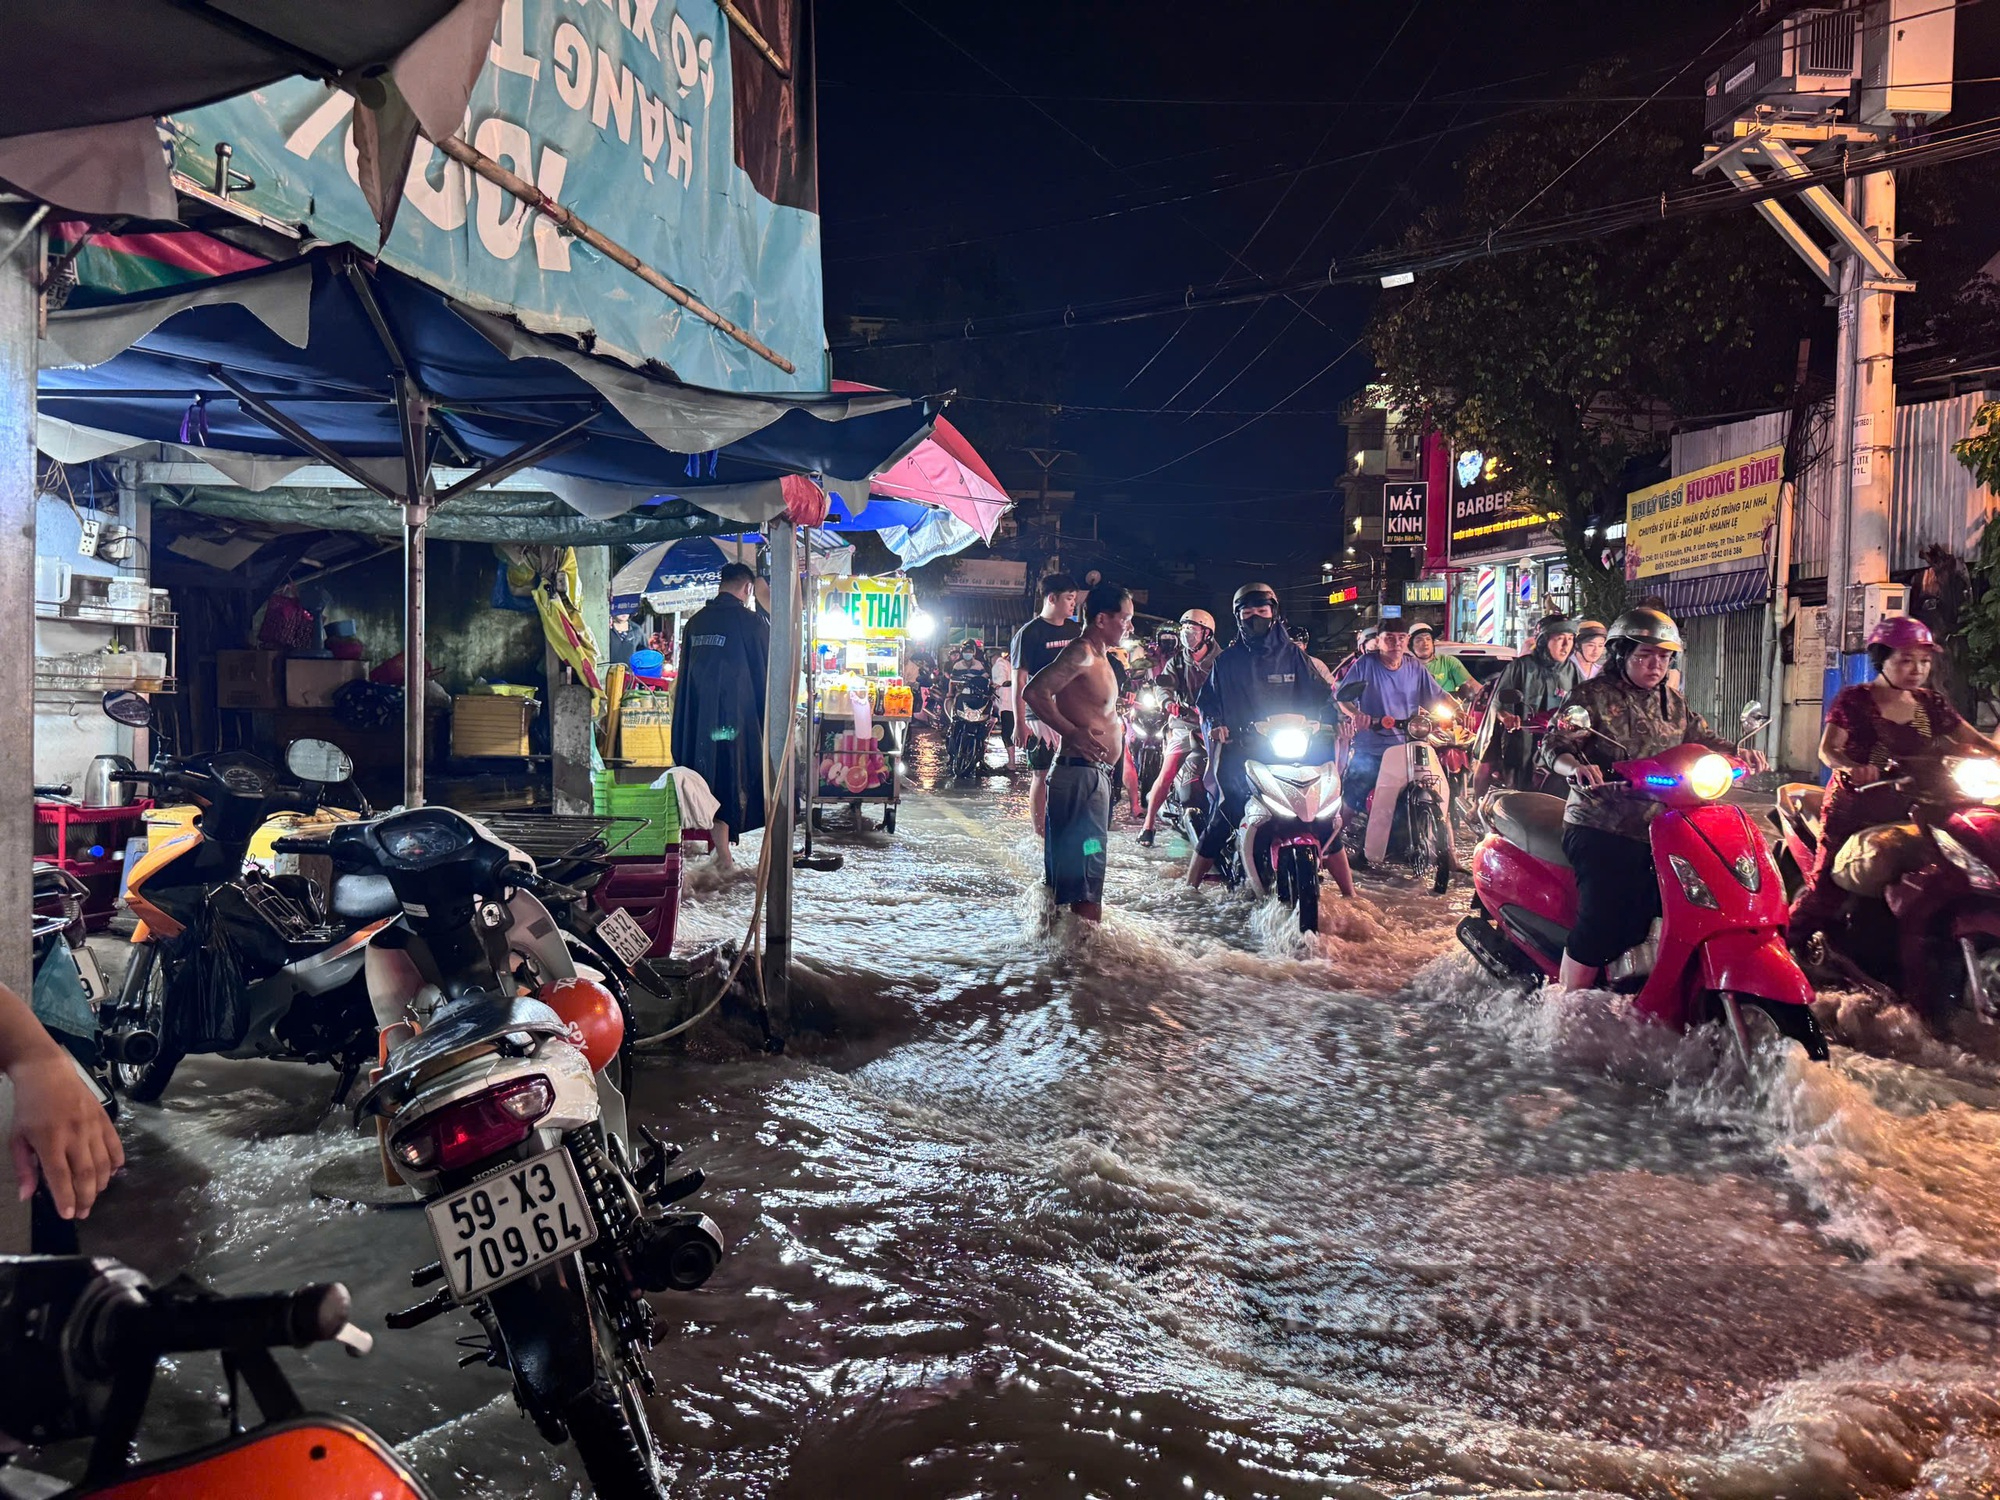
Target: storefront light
x,y
922,626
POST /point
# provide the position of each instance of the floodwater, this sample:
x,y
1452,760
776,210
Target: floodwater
x,y
1186,1206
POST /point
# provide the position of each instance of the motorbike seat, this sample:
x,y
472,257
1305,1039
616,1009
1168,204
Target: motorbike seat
x,y
1804,801
364,898
1531,822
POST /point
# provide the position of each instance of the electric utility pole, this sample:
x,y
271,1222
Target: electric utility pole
x,y
1819,84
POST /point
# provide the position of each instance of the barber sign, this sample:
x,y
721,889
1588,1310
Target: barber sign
x,y
1405,514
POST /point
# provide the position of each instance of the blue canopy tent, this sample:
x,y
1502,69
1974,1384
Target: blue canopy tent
x,y
331,359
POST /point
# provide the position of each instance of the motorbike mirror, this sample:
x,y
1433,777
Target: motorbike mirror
x,y
1753,713
124,706
318,760
1350,692
1576,716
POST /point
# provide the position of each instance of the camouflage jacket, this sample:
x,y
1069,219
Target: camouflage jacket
x,y
1643,723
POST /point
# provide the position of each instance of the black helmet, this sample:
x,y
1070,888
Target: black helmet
x,y
1647,627
1253,594
1553,624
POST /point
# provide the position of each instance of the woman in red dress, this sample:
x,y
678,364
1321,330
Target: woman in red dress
x,y
1893,720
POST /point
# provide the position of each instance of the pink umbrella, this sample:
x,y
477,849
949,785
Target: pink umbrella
x,y
945,471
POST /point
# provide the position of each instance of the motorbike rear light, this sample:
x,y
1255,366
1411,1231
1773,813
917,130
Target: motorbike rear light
x,y
1692,885
474,1128
1710,777
1970,865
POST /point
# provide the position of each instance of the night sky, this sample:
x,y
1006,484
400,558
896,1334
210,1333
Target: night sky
x,y
982,158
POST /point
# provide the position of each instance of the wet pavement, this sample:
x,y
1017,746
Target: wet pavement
x,y
1193,1206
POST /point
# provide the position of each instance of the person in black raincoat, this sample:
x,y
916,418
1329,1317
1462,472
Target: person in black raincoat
x,y
719,706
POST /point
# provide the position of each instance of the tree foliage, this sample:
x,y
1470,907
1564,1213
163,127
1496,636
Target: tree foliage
x,y
1979,451
1571,362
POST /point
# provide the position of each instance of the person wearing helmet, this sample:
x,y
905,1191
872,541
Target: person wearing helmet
x,y
1894,720
1446,670
1392,685
1634,715
1263,672
1181,678
1591,639
1529,688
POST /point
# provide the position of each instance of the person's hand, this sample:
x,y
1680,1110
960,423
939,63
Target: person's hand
x,y
1862,775
61,1130
1583,773
1101,745
1510,722
1220,734
1754,759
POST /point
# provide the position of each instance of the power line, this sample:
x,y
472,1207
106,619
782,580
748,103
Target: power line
x,y
1975,138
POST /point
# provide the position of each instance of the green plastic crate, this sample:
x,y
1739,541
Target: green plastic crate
x,y
660,807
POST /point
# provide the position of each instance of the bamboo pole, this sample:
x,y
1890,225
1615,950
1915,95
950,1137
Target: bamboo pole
x,y
571,223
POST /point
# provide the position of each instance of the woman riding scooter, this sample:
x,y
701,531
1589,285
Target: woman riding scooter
x,y
1634,715
1529,688
1892,720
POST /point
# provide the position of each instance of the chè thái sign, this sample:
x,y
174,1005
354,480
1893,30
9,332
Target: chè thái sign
x,y
870,606
659,123
1723,513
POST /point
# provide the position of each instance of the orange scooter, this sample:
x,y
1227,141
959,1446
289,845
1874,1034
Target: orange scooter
x,y
80,1338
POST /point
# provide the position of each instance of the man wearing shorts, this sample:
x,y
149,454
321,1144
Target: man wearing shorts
x,y
1076,695
1034,646
1003,700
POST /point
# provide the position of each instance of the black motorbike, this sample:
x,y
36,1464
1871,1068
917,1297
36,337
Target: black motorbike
x,y
505,1117
971,723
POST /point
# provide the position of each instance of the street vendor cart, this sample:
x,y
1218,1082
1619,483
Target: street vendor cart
x,y
859,704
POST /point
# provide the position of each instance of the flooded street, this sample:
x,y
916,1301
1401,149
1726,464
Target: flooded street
x,y
1182,1207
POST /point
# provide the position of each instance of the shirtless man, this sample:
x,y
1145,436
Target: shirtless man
x,y
1077,696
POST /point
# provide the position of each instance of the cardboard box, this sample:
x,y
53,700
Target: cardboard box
x,y
489,724
311,682
247,679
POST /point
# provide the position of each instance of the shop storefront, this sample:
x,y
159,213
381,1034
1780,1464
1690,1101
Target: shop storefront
x,y
1502,554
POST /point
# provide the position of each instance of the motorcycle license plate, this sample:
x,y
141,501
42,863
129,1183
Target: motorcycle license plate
x,y
624,936
506,1225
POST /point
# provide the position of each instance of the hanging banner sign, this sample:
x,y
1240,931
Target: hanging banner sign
x,y
1406,509
1726,512
662,126
1424,591
988,575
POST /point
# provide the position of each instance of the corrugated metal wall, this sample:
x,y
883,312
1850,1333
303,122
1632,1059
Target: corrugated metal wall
x,y
1936,500
1722,665
1701,645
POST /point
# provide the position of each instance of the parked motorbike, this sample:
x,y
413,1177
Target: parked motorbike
x,y
1294,812
80,1339
1924,918
971,722
1421,834
69,987
1718,951
500,1109
238,962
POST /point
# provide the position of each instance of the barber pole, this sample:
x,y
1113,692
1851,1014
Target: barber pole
x,y
1486,606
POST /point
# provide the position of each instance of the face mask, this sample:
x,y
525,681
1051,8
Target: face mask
x,y
1256,627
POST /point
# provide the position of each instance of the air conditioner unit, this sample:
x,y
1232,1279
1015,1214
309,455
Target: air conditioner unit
x,y
1906,60
1800,69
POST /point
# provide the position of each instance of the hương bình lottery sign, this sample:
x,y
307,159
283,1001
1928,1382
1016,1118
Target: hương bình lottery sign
x,y
869,606
1722,513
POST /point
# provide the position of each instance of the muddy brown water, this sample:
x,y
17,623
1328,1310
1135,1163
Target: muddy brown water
x,y
1187,1207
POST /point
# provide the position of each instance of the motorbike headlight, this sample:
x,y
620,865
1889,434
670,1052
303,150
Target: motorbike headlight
x,y
1692,885
1974,868
1710,777
1277,809
1149,698
1442,712
1977,778
1290,743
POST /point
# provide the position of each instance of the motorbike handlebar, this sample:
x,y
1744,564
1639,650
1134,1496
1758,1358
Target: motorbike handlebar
x,y
293,843
53,791
179,1325
139,778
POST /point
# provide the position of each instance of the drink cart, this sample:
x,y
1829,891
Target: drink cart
x,y
859,703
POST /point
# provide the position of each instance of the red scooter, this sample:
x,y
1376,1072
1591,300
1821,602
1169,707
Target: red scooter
x,y
1924,921
1719,951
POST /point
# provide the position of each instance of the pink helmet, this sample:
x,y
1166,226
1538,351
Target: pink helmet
x,y
1901,633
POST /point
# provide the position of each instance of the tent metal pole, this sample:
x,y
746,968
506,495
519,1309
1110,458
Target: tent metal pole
x,y
416,677
780,710
18,316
